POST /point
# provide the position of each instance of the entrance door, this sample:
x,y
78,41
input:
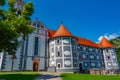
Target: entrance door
x,y
80,67
35,66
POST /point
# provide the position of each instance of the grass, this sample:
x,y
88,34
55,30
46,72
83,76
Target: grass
x,y
68,76
18,75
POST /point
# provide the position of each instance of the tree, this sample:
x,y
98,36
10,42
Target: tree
x,y
116,43
13,25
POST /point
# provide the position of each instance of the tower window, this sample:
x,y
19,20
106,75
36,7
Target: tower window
x,y
58,53
81,48
57,41
108,57
107,51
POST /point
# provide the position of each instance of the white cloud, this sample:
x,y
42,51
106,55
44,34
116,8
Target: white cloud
x,y
109,36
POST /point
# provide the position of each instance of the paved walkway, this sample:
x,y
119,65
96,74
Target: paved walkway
x,y
49,76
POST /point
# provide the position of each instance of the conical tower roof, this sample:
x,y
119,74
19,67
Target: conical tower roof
x,y
62,31
105,43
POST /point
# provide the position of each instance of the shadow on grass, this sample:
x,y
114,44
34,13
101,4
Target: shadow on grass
x,y
47,76
62,75
18,76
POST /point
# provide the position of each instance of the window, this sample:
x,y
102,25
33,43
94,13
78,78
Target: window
x,y
73,41
38,25
91,56
99,64
93,64
84,48
52,49
66,48
83,56
108,57
87,56
58,53
66,41
81,48
109,63
75,65
94,57
36,46
42,26
74,54
85,64
57,42
113,56
98,57
107,51
90,49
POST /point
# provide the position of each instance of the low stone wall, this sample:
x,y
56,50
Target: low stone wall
x,y
95,71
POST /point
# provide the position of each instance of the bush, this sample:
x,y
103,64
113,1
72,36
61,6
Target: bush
x,y
74,71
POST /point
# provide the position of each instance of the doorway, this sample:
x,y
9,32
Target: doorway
x,y
35,66
80,68
58,65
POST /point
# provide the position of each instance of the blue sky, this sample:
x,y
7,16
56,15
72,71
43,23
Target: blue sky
x,y
85,18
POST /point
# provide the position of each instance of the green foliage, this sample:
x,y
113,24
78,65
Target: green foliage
x,y
116,43
2,2
18,75
75,71
13,26
68,76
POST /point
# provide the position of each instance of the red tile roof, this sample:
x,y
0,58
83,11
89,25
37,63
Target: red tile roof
x,y
51,32
87,42
105,43
62,31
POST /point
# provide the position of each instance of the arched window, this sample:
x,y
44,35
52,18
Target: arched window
x,y
36,46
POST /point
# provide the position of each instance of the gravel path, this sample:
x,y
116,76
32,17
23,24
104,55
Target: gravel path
x,y
49,76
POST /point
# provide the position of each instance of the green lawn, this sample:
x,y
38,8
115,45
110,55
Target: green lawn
x,y
18,75
68,76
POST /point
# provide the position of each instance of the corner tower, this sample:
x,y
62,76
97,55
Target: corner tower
x,y
110,57
63,50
